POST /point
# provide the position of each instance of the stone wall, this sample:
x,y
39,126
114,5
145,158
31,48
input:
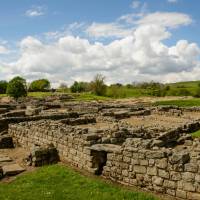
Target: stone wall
x,y
72,143
167,161
175,172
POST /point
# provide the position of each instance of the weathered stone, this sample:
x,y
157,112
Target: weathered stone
x,y
175,176
180,157
152,171
12,169
140,169
162,163
191,167
155,154
157,181
181,194
169,184
163,174
193,196
188,176
188,186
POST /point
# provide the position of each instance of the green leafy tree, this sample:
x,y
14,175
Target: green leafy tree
x,y
79,87
40,85
98,86
17,87
3,87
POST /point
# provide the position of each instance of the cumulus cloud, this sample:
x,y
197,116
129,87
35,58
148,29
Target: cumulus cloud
x,y
36,11
138,54
98,30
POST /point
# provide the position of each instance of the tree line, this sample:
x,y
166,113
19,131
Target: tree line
x,y
18,87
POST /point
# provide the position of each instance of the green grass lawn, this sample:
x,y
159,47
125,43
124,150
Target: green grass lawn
x,y
181,103
58,182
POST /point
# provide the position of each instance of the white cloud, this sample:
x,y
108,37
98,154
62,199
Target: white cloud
x,y
98,30
172,1
166,19
75,27
135,4
138,54
36,11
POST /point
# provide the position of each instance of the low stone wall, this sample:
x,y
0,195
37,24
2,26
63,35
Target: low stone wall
x,y
118,155
40,117
170,171
72,143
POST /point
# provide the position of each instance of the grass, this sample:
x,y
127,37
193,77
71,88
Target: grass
x,y
181,103
57,182
39,94
196,134
89,97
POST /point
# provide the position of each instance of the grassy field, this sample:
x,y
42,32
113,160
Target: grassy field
x,y
191,88
57,182
181,103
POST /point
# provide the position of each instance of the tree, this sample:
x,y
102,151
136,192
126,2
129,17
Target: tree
x,y
40,85
98,86
79,87
17,88
3,87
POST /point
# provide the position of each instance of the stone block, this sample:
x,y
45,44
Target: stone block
x,y
140,169
157,181
181,194
163,174
191,167
188,176
152,171
169,184
193,196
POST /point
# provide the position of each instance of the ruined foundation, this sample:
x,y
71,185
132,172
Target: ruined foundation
x,y
131,145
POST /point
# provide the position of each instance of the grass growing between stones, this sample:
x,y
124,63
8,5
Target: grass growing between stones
x,y
181,103
61,183
196,134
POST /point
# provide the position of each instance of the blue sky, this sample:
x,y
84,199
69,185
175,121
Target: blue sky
x,y
15,25
30,26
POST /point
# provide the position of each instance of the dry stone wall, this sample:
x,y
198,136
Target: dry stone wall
x,y
165,161
72,143
170,171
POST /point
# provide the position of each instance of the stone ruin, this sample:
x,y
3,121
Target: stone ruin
x,y
148,147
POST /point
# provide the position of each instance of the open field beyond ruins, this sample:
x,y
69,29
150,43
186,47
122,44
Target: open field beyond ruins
x,y
131,142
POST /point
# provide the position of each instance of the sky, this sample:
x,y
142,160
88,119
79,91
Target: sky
x,y
124,40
